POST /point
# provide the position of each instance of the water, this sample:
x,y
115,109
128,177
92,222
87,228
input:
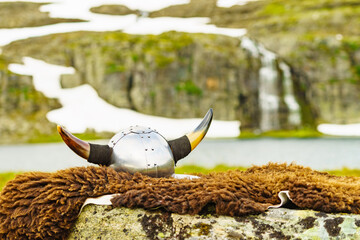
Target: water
x,y
269,97
318,154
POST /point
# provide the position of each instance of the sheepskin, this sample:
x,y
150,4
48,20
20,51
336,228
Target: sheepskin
x,y
40,205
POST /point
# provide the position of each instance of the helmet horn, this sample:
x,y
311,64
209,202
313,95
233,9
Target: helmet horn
x,y
182,146
94,153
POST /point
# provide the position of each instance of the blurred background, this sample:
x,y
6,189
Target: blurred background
x,y
283,78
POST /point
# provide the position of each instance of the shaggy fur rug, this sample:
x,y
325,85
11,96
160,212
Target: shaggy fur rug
x,y
45,205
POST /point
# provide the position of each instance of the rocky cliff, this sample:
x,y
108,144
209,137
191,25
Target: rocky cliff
x,y
172,75
320,42
22,108
180,74
26,14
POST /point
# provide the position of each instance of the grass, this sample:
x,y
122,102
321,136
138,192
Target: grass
x,y
188,169
5,177
345,172
55,137
301,133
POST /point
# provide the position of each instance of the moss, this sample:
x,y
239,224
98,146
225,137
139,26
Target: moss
x,y
204,229
274,9
113,67
189,87
163,61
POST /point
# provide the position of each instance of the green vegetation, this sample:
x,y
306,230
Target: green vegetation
x,y
318,39
345,172
5,177
114,10
192,169
189,169
189,87
88,135
116,48
299,133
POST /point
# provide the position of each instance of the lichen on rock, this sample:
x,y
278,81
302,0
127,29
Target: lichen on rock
x,y
106,222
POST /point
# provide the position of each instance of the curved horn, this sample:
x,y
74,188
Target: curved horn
x,y
94,153
199,133
181,147
80,147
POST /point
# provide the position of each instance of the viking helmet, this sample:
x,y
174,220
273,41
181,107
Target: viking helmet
x,y
139,149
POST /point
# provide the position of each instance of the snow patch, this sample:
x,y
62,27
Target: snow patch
x,y
340,129
82,108
230,3
80,9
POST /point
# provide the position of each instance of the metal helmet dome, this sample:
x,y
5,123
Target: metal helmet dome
x,y
139,149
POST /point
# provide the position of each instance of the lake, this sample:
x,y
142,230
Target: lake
x,y
318,154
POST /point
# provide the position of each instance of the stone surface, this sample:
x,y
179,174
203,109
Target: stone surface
x,y
179,75
22,109
106,222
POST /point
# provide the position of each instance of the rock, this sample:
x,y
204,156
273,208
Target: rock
x,y
321,51
107,222
175,75
114,10
26,14
23,109
179,75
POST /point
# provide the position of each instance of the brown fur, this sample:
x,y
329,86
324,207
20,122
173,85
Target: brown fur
x,y
45,205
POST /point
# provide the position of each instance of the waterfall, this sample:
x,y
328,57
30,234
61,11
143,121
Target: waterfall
x,y
293,106
269,92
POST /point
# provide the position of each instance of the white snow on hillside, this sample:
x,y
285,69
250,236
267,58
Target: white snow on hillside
x,y
80,9
350,130
230,3
82,108
76,109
